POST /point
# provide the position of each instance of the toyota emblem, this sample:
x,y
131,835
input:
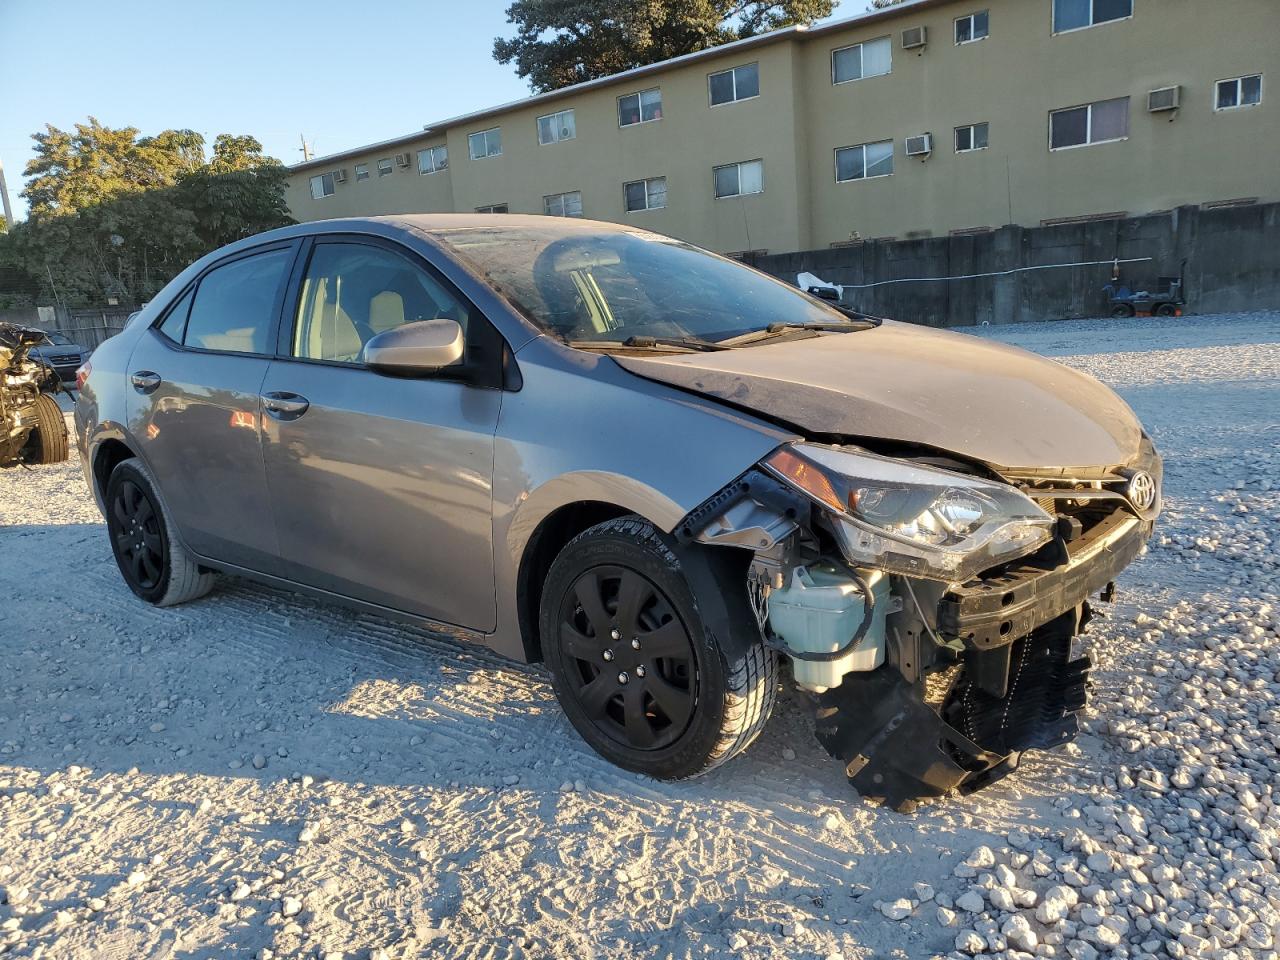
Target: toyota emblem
x,y
1142,491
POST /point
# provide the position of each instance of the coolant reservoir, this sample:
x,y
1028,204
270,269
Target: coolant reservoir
x,y
819,612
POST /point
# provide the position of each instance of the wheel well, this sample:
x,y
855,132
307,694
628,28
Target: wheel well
x,y
110,453
556,530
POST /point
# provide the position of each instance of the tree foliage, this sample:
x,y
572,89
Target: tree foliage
x,y
115,214
561,42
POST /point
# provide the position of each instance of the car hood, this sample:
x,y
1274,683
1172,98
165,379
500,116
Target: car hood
x,y
987,401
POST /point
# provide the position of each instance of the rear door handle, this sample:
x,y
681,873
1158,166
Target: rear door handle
x,y
144,381
285,406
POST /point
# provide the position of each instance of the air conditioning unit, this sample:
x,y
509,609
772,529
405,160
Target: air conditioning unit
x,y
1166,98
914,37
920,146
403,159
340,176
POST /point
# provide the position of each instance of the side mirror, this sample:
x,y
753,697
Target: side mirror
x,y
415,349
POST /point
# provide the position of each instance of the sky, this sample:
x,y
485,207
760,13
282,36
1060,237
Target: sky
x,y
342,74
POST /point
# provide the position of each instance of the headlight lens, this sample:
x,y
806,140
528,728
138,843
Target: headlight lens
x,y
912,519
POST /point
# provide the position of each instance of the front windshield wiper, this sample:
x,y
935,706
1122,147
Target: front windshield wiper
x,y
649,343
852,325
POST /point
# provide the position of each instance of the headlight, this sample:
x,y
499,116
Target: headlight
x,y
912,519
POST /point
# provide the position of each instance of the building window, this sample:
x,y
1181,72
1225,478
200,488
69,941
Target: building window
x,y
322,186
493,208
1100,122
972,137
362,171
1240,92
385,166
740,83
555,127
645,194
433,159
864,161
563,204
871,59
486,143
1078,14
738,179
971,28
640,107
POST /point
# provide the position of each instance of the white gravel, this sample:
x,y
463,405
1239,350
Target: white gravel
x,y
257,775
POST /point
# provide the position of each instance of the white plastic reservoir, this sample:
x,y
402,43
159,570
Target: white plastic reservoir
x,y
819,612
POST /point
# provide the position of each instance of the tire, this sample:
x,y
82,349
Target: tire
x,y
48,441
1122,311
152,559
1166,310
685,683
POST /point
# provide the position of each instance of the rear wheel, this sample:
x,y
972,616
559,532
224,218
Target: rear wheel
x,y
1167,310
48,441
152,560
637,668
1122,310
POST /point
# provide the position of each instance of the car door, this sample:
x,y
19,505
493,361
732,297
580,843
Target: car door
x,y
194,408
381,486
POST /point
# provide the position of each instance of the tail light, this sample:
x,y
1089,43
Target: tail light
x,y
82,374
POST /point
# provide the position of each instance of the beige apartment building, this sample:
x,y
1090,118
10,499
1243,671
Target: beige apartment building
x,y
928,118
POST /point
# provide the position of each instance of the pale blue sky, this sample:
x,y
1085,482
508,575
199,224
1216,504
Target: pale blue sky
x,y
342,73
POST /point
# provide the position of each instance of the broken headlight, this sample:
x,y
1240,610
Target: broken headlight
x,y
912,519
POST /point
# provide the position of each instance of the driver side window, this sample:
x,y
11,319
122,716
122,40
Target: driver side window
x,y
354,291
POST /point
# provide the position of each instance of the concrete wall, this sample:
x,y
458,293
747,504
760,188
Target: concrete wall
x,y
1232,254
1011,80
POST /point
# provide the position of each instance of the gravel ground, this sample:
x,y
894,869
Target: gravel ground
x,y
258,775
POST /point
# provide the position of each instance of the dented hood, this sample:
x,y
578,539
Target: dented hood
x,y
986,401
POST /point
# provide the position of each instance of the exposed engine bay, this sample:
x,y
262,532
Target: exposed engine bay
x,y
929,607
32,429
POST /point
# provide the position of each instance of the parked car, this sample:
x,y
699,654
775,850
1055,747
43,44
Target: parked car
x,y
32,427
662,473
62,353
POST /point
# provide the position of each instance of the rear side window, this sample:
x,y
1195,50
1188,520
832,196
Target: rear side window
x,y
234,302
175,324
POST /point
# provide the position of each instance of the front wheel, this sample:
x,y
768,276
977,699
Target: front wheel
x,y
648,680
48,441
1122,311
152,560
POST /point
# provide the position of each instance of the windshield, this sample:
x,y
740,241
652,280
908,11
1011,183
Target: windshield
x,y
584,284
58,339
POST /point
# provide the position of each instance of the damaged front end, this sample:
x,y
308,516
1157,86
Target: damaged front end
x,y
930,607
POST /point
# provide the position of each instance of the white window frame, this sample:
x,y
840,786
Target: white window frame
x,y
434,153
862,75
733,71
1088,127
548,199
647,205
388,169
971,127
1053,19
555,126
639,95
362,171
835,160
739,165
471,149
320,177
1239,82
971,17
493,208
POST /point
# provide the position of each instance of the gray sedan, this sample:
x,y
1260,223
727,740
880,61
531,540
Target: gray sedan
x,y
667,476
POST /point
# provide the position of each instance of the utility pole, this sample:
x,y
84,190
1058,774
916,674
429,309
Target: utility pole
x,y
4,196
306,149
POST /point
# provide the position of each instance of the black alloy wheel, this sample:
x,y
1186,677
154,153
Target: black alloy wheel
x,y
138,537
627,657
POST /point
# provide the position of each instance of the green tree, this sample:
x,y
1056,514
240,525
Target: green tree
x,y
561,42
238,153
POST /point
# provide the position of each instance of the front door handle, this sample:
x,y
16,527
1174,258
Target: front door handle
x,y
285,406
145,381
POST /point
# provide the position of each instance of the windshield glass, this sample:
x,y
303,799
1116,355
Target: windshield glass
x,y
585,284
58,339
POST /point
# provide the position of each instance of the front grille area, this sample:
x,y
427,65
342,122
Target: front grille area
x,y
65,358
